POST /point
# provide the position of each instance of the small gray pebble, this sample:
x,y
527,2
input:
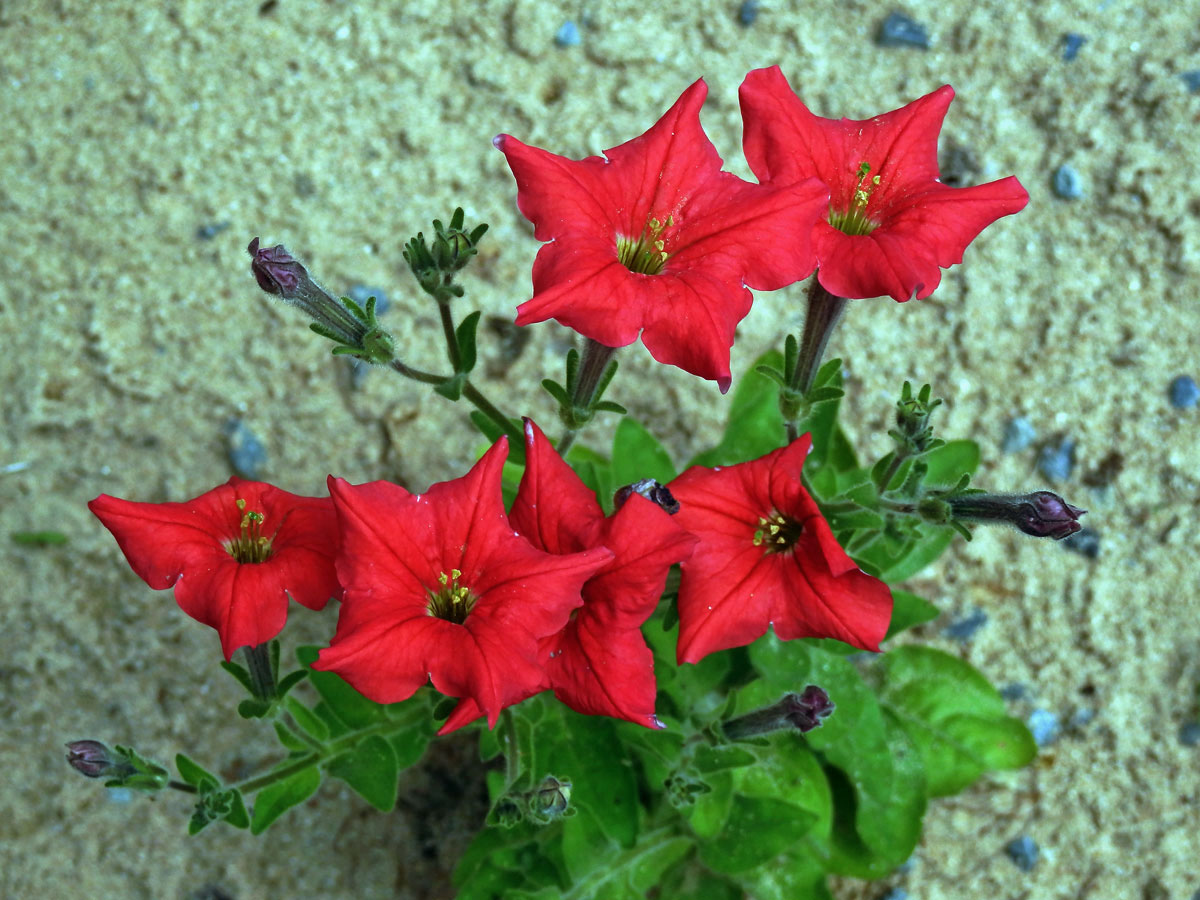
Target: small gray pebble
x,y
1044,727
1189,734
1019,434
1014,691
1072,42
1192,80
1023,851
1067,183
905,867
1081,718
964,629
896,893
1183,392
567,35
1085,542
361,293
748,12
1056,463
246,452
120,795
210,231
899,30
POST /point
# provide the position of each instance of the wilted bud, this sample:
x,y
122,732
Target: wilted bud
x,y
650,489
1040,514
551,798
803,712
96,760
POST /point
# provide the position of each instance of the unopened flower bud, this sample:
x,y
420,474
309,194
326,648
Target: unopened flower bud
x,y
803,712
1040,514
551,798
650,489
276,270
96,760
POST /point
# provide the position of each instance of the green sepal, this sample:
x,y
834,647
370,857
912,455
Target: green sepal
x,y
610,406
290,681
557,391
254,709
240,674
773,373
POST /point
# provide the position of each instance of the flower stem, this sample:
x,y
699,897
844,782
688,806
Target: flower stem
x,y
824,312
515,436
592,367
258,663
451,337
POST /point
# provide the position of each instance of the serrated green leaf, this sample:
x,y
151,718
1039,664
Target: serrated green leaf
x,y
909,610
371,771
637,454
274,800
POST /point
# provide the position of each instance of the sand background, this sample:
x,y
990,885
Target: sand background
x,y
341,129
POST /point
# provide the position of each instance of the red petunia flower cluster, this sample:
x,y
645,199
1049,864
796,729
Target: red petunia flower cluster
x,y
652,239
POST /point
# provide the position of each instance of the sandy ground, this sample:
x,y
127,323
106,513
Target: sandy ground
x,y
343,128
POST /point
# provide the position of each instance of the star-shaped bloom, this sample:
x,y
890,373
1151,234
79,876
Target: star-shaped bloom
x,y
598,664
439,587
233,555
891,225
655,238
766,556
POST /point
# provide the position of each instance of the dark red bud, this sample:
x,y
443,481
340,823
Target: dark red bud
x,y
1044,514
806,710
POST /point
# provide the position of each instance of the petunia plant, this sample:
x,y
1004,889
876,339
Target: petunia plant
x,y
687,677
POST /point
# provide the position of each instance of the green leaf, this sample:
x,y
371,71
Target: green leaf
x,y
351,707
465,335
592,757
950,461
276,799
289,740
922,553
874,773
755,424
452,387
191,773
709,759
909,610
758,828
637,454
306,718
596,472
371,771
954,716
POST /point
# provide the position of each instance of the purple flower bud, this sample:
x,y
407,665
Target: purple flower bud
x,y
1040,514
95,760
803,712
650,489
276,270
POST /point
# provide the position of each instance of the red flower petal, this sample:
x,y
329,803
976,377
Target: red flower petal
x,y
396,549
733,589
921,225
599,663
720,234
184,545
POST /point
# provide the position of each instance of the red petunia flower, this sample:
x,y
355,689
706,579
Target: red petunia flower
x,y
233,555
656,238
439,587
765,557
891,225
599,663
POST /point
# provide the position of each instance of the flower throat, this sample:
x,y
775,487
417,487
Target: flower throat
x,y
854,221
251,546
647,254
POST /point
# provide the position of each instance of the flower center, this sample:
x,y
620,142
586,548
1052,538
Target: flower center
x,y
251,546
646,254
855,219
777,533
451,601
